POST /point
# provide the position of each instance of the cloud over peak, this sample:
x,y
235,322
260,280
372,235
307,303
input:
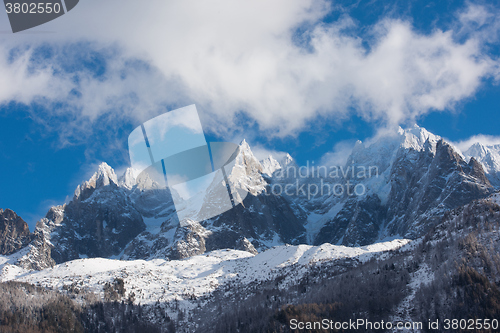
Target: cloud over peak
x,y
234,57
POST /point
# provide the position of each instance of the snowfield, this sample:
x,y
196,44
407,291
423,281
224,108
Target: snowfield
x,y
160,280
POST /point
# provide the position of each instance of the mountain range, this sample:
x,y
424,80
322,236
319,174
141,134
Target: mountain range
x,y
372,234
399,185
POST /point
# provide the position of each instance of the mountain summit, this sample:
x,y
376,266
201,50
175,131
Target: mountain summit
x,y
489,158
398,185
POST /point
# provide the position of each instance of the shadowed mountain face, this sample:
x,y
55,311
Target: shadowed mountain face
x,y
399,185
14,232
423,185
99,222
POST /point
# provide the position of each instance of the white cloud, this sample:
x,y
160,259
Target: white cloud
x,y
239,56
261,152
480,21
339,155
18,83
486,140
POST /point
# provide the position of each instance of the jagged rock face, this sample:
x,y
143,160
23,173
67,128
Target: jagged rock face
x,y
419,177
429,185
269,166
14,232
478,171
99,226
190,241
39,255
264,220
260,222
488,156
99,222
425,177
358,223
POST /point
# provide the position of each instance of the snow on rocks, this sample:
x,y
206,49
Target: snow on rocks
x,y
161,280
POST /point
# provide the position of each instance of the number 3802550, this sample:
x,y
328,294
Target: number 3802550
x,y
33,8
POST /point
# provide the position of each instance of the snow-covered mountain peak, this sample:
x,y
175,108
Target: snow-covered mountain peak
x,y
246,156
489,157
270,165
359,147
104,176
129,178
136,218
416,137
246,172
245,147
382,150
286,160
477,150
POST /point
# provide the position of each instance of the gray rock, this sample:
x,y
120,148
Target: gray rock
x,y
14,232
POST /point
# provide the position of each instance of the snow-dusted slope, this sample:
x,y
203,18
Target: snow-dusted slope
x,y
159,280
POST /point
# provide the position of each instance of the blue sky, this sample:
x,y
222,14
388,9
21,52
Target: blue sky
x,y
305,77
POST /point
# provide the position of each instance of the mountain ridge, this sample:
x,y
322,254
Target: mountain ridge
x,y
419,177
